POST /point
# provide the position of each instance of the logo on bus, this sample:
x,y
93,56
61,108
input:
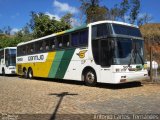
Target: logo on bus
x,y
81,54
36,57
19,59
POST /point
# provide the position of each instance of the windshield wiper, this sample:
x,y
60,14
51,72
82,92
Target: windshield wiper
x,y
141,58
133,51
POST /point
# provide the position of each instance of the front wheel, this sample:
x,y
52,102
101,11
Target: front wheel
x,y
90,78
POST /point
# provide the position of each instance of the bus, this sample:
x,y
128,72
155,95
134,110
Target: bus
x,y
8,61
103,51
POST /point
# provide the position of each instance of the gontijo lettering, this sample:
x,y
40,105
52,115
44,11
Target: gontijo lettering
x,y
36,57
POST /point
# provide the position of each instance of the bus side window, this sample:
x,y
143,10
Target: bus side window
x,y
44,45
24,50
47,45
39,46
83,37
75,39
31,48
66,42
59,41
52,44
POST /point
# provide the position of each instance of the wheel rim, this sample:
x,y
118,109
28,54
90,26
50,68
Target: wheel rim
x,y
90,77
30,74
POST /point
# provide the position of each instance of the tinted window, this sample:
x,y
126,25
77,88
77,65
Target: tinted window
x,y
59,42
83,37
39,46
12,51
101,30
47,47
126,30
96,51
75,39
30,48
66,42
21,50
52,43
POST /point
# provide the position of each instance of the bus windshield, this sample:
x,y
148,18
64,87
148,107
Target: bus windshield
x,y
128,51
10,57
126,30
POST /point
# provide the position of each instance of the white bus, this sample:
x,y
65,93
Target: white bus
x,y
8,60
104,51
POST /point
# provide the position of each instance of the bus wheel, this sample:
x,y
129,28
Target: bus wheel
x,y
90,78
3,72
25,73
30,73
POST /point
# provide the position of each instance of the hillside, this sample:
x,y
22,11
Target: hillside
x,y
151,34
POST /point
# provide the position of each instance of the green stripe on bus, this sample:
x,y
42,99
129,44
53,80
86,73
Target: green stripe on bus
x,y
55,64
67,56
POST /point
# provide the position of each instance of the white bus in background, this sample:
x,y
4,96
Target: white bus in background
x,y
8,60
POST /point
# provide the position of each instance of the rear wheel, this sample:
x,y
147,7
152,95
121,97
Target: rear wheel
x,y
30,73
90,78
25,73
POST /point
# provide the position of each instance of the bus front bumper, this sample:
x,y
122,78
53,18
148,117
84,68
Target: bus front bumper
x,y
130,76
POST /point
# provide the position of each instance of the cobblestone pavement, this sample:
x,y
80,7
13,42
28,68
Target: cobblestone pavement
x,y
23,96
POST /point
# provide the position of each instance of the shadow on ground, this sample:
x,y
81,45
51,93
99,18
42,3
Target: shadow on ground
x,y
98,85
60,96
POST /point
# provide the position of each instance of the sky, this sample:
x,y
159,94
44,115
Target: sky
x,y
16,13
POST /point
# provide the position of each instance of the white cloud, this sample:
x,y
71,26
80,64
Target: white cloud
x,y
52,15
14,31
64,7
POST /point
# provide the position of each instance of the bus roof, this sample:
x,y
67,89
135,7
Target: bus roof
x,y
8,48
77,28
113,22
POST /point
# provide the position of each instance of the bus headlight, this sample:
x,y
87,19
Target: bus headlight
x,y
145,66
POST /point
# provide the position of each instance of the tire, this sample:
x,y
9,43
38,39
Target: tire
x,y
90,78
25,73
30,74
3,72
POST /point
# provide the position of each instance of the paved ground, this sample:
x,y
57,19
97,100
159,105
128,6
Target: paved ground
x,y
22,96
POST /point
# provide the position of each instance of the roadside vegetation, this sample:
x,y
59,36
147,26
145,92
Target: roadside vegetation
x,y
151,35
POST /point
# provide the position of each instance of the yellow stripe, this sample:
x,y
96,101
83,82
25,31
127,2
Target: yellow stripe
x,y
40,69
59,33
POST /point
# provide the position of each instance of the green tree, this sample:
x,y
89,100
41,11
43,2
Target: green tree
x,y
134,11
114,13
42,25
124,8
67,19
93,11
144,19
